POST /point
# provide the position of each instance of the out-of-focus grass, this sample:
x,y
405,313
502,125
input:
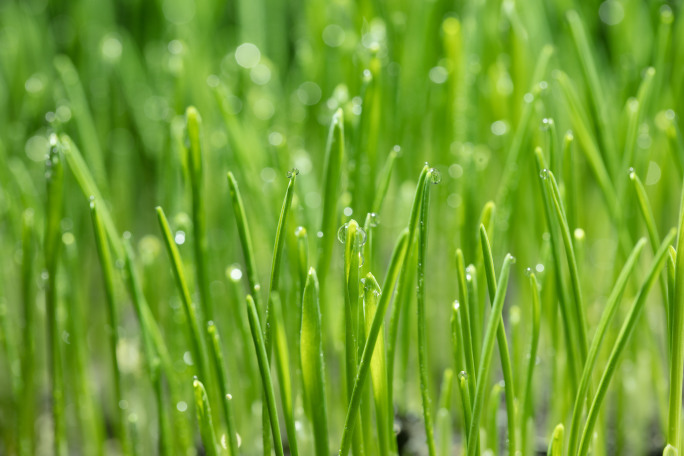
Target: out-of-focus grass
x,y
554,126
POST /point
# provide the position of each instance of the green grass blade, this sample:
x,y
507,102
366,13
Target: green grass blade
x,y
113,319
444,414
313,364
556,442
206,425
199,354
504,354
385,419
265,370
599,336
200,244
487,352
625,332
527,404
52,245
28,362
334,153
223,386
468,329
677,340
396,262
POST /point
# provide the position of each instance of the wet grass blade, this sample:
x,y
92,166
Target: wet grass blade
x,y
502,342
313,364
625,332
206,424
468,328
265,370
527,404
487,352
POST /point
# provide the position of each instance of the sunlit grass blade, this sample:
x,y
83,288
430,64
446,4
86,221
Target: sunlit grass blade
x,y
223,387
204,419
384,180
487,353
383,417
468,329
492,419
199,230
52,245
502,343
623,337
334,154
600,335
28,360
265,370
113,320
199,354
313,365
466,402
398,256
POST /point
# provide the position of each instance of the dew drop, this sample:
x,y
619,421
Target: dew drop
x,y
229,397
342,233
361,236
528,272
456,304
179,237
292,173
362,260
463,375
300,231
374,219
435,176
544,173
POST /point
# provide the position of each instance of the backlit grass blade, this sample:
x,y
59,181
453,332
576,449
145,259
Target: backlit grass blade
x,y
113,319
199,354
204,419
265,370
200,244
385,419
501,341
625,332
313,364
28,361
384,180
396,261
54,176
487,353
334,153
468,328
599,336
223,387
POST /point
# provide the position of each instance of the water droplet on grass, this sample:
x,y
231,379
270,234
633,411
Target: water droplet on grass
x,y
293,172
544,173
435,176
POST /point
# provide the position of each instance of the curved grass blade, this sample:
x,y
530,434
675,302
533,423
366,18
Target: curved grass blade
x,y
502,342
487,352
468,329
384,180
334,153
599,336
265,370
206,425
223,386
313,364
193,124
396,261
625,332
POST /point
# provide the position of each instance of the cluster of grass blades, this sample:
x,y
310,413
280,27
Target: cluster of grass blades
x,y
396,228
